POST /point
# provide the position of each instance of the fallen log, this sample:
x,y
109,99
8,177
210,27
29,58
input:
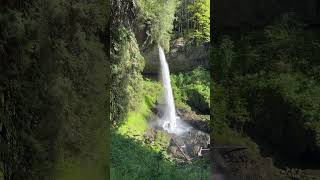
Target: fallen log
x,y
181,150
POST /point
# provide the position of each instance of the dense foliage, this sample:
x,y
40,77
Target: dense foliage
x,y
192,89
266,85
126,67
193,20
200,11
156,19
52,86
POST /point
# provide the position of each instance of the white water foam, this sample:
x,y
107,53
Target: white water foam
x,y
169,118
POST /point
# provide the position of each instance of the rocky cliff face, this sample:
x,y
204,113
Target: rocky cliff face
x,y
180,58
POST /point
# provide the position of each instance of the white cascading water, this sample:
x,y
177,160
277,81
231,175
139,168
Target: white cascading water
x,y
170,118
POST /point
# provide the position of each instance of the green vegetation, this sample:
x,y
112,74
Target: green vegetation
x,y
156,17
200,11
135,161
192,89
138,151
133,157
136,124
193,20
52,86
55,81
126,65
266,86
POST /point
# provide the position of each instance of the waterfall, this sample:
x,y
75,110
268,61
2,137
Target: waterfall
x,y
169,118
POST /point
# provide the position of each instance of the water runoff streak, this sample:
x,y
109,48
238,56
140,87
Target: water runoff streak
x,y
169,119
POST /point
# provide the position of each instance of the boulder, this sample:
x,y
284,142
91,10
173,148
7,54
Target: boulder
x,y
200,122
190,143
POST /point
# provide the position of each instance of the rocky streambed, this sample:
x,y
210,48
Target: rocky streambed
x,y
190,144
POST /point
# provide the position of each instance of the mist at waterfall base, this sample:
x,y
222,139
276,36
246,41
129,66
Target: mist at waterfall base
x,y
169,120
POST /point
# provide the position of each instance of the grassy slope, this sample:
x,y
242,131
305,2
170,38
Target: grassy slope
x,y
132,159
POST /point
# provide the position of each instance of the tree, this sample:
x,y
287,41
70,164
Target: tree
x,y
200,16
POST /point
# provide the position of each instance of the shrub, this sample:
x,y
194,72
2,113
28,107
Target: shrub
x,y
192,88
